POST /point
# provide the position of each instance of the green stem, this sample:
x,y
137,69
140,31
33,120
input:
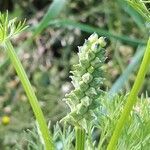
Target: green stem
x,y
31,96
80,138
131,101
103,135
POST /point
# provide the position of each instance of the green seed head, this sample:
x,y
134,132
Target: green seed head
x,y
87,78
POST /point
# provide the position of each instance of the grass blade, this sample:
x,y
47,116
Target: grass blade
x,y
91,29
53,11
120,82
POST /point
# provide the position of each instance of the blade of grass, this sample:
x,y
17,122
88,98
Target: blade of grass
x,y
120,82
53,11
91,29
132,98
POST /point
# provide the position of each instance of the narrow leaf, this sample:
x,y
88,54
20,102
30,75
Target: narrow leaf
x,y
53,11
120,82
90,29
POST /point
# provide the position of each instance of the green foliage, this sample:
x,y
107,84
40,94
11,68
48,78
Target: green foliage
x,y
9,28
138,18
135,135
119,83
63,137
139,5
54,10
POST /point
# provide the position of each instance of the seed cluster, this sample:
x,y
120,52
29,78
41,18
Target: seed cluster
x,y
86,79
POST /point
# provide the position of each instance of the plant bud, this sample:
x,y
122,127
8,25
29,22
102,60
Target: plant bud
x,y
93,38
87,78
102,41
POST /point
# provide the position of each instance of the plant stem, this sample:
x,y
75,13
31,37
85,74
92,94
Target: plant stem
x,y
103,135
80,138
131,100
31,96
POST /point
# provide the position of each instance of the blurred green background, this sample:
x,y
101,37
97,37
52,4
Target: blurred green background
x,y
48,48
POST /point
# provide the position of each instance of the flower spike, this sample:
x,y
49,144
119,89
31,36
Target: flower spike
x,y
86,78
